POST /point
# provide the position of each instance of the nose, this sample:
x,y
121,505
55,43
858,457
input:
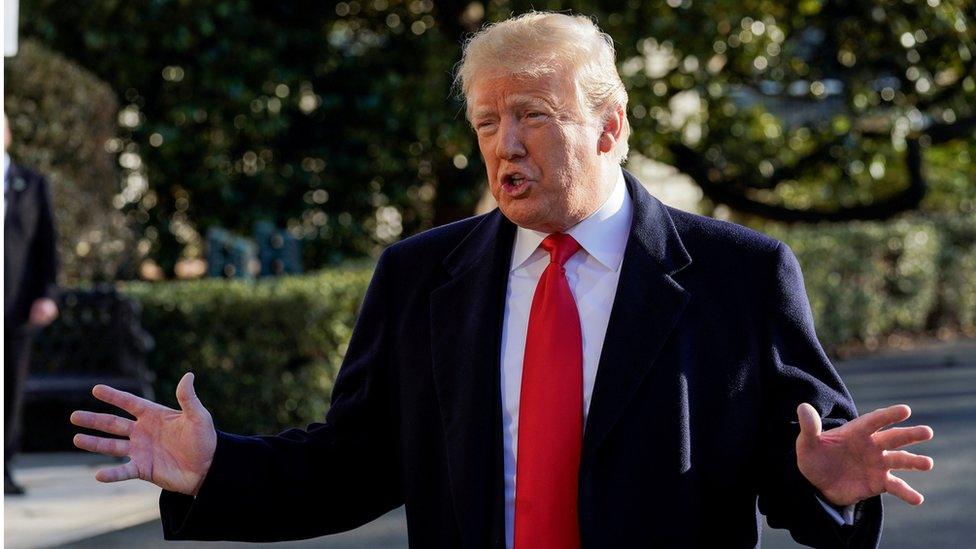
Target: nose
x,y
509,143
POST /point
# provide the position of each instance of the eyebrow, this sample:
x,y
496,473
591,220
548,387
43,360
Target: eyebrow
x,y
517,101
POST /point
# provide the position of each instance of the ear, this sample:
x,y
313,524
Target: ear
x,y
613,127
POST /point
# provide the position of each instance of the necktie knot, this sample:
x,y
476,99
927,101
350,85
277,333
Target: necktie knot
x,y
561,247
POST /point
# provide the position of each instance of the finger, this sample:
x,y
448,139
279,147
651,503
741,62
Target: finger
x,y
186,395
109,446
900,489
897,437
907,461
127,401
882,417
810,425
108,423
120,472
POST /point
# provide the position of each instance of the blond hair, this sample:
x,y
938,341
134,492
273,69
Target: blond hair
x,y
540,42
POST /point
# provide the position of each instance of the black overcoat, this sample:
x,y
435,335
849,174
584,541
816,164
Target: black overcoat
x,y
710,348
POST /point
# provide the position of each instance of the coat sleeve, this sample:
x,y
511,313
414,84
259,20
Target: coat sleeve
x,y
45,243
797,370
303,483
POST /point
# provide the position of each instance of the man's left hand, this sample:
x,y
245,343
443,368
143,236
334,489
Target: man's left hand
x,y
43,312
854,461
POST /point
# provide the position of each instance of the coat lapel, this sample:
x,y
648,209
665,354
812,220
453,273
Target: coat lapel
x,y
466,324
15,186
647,306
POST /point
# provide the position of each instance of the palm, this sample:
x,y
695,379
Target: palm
x,y
854,461
170,448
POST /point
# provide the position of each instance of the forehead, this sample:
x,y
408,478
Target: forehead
x,y
494,92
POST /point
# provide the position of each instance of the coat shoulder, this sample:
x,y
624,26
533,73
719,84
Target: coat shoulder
x,y
30,177
714,237
437,243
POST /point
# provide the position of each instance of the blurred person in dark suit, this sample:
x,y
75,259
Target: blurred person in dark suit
x,y
30,271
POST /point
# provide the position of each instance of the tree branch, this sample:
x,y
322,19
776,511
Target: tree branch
x,y
724,192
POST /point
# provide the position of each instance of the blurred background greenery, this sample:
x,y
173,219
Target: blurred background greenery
x,y
847,129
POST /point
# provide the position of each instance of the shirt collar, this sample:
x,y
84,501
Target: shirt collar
x,y
603,234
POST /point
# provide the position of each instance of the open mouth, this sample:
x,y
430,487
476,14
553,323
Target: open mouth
x,y
515,180
515,184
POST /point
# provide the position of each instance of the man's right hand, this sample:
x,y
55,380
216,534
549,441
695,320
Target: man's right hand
x,y
173,449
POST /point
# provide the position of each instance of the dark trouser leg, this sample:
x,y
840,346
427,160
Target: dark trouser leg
x,y
16,360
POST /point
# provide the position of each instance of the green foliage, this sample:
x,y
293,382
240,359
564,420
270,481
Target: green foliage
x,y
265,353
335,120
957,265
61,117
869,280
800,105
951,171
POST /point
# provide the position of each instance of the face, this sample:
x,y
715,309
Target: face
x,y
544,154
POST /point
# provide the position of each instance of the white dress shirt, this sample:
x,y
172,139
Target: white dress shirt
x,y
592,273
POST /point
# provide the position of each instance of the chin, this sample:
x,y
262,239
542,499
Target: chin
x,y
532,213
523,217
533,222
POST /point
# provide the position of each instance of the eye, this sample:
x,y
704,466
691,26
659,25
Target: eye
x,y
535,114
485,127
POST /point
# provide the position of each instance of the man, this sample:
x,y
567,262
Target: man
x,y
582,367
29,287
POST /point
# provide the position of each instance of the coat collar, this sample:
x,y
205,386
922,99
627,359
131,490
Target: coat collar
x,y
15,183
653,230
466,313
15,180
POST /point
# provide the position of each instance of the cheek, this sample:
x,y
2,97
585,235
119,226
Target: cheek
x,y
561,154
579,147
485,149
486,146
564,143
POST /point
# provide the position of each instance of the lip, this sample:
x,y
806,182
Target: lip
x,y
514,190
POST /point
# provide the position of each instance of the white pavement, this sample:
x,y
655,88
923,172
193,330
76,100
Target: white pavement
x,y
65,503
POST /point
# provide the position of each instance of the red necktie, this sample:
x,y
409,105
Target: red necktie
x,y
550,422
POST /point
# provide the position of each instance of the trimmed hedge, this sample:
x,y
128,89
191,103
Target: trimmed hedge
x,y
267,352
869,280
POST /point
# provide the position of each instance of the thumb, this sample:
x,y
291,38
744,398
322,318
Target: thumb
x,y
810,425
186,395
